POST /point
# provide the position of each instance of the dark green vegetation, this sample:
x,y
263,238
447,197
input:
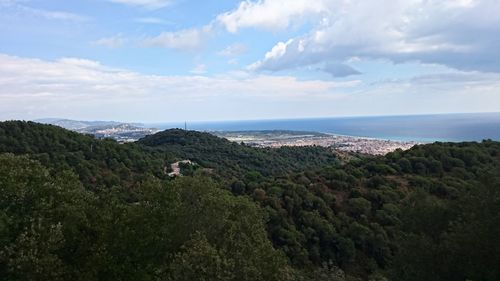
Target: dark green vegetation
x,y
234,160
76,208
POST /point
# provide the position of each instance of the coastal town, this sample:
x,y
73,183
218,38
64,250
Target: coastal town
x,y
337,142
121,133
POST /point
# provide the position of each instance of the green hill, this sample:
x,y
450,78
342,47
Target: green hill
x,y
232,159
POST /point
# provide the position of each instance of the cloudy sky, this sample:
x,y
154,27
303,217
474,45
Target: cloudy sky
x,y
175,60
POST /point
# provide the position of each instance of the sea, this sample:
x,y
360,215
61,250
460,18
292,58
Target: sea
x,y
420,128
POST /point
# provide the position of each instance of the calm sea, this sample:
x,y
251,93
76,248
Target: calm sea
x,y
422,128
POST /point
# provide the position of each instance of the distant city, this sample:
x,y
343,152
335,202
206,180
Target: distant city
x,y
121,132
296,138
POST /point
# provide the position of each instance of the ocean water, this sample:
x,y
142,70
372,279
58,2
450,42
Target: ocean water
x,y
422,128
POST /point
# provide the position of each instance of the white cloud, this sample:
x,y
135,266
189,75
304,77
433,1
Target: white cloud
x,y
56,15
277,51
270,14
148,4
233,50
463,34
111,42
153,20
80,63
186,39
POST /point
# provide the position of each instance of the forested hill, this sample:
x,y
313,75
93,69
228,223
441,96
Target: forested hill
x,y
233,159
73,207
96,162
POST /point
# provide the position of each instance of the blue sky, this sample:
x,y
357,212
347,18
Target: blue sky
x,y
174,60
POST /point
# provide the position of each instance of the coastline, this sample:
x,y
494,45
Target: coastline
x,y
419,128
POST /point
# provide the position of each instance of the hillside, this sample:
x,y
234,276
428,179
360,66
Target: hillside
x,y
96,162
73,207
233,159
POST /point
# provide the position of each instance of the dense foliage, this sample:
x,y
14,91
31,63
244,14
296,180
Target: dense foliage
x,y
98,163
53,229
232,159
75,207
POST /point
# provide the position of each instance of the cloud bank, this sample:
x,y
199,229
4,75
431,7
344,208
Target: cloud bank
x,y
462,34
69,85
85,89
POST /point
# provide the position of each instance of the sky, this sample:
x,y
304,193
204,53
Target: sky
x,y
176,60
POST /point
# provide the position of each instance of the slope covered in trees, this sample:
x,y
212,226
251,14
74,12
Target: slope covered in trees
x,y
74,207
53,229
232,159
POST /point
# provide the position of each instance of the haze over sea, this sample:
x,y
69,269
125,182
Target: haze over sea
x,y
422,128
